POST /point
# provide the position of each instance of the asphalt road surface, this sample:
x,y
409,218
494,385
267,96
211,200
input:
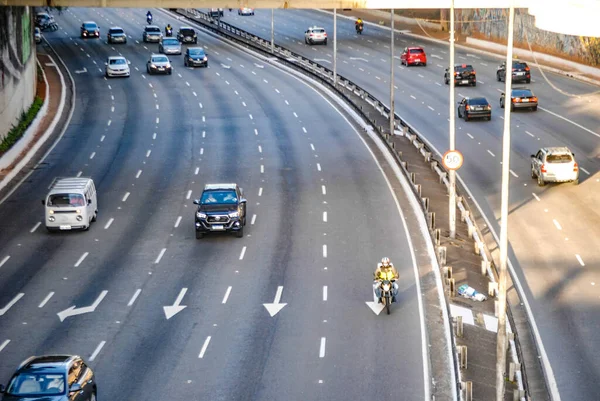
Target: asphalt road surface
x,y
320,216
554,231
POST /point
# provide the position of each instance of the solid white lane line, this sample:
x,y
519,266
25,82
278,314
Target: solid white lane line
x,y
110,221
537,198
490,152
322,348
530,134
253,219
513,173
160,255
197,171
45,301
324,293
325,217
92,155
138,174
319,166
579,260
189,192
126,196
243,253
4,344
260,191
97,350
570,121
325,250
584,170
557,224
226,295
81,259
262,168
255,131
312,146
323,190
134,297
148,153
177,221
35,227
204,347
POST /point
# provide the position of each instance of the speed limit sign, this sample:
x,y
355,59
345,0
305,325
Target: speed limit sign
x,y
452,159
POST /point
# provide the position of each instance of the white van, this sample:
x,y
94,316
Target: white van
x,y
71,204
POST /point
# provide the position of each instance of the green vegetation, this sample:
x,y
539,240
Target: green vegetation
x,y
18,130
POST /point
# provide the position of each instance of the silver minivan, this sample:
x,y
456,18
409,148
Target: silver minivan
x,y
70,204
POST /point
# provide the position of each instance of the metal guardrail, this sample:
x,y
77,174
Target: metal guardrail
x,y
326,75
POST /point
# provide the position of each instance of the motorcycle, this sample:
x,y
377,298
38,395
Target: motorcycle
x,y
149,19
169,31
386,292
359,29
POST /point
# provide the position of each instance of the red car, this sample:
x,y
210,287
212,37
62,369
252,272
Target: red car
x,y
413,56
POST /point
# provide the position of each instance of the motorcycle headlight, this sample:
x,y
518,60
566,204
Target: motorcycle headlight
x,y
386,287
200,215
234,214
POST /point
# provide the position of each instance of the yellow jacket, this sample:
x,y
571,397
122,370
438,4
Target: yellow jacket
x,y
386,273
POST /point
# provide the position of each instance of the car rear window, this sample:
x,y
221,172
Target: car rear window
x,y
520,66
478,101
116,31
152,29
416,51
559,158
318,30
522,93
463,68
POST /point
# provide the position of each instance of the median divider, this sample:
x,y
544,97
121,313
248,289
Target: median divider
x,y
466,259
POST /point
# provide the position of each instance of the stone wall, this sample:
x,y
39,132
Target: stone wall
x,y
17,65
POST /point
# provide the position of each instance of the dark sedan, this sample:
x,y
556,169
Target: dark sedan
x,y
520,72
187,34
464,74
195,57
51,378
520,98
474,107
89,29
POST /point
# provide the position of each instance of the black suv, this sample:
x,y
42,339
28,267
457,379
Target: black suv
x,y
51,378
221,208
187,34
520,72
464,74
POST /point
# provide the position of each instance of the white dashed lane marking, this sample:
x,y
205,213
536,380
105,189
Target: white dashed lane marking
x,y
242,253
160,255
204,347
557,224
537,198
322,347
579,260
134,297
81,259
35,227
45,301
126,196
490,152
110,221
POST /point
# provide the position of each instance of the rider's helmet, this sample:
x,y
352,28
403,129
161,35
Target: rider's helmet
x,y
385,261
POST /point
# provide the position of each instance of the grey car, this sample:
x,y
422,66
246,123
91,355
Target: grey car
x,y
169,46
159,63
152,33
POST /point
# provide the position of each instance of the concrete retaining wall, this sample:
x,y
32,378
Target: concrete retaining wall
x,y
18,67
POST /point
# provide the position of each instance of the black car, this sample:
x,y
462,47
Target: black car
x,y
51,378
474,107
520,72
520,98
464,74
89,29
116,35
221,208
195,57
187,34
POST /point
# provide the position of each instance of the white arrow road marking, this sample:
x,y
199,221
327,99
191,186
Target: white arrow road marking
x,y
72,311
97,350
171,311
375,306
11,303
275,307
81,71
204,347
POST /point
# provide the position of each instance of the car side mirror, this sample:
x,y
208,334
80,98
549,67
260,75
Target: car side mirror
x,y
573,154
44,202
533,156
243,200
196,202
128,62
75,387
89,201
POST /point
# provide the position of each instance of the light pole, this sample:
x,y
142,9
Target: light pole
x,y
392,108
452,173
501,339
334,46
272,30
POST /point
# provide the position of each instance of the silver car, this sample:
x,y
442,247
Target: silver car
x,y
159,63
152,33
117,66
555,164
314,35
169,46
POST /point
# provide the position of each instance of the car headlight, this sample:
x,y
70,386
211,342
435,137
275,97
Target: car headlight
x,y
50,211
152,66
168,65
205,58
234,215
51,218
200,215
195,35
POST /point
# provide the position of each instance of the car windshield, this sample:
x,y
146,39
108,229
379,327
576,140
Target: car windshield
x,y
61,200
117,61
196,52
478,101
522,93
113,31
36,384
187,31
152,29
559,158
170,42
416,51
212,197
90,26
160,59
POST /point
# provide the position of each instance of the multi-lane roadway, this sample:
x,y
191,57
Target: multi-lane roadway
x,y
553,231
320,215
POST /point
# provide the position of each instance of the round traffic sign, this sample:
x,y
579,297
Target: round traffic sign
x,y
452,159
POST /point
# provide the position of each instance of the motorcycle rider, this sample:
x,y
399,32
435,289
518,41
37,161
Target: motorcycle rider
x,y
385,271
359,24
149,16
168,30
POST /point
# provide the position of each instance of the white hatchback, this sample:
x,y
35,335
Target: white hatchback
x,y
556,164
117,66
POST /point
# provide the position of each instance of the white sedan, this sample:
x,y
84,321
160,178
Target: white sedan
x,y
117,66
245,11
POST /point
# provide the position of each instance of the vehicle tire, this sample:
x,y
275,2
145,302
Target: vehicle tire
x,y
534,108
424,64
170,72
93,397
466,116
512,107
498,77
125,42
240,233
199,234
501,104
474,83
576,182
489,118
387,308
528,81
446,81
144,39
196,41
185,62
95,216
325,43
244,221
106,75
533,173
459,114
540,181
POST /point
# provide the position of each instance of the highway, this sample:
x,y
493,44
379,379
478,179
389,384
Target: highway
x,y
320,217
554,231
